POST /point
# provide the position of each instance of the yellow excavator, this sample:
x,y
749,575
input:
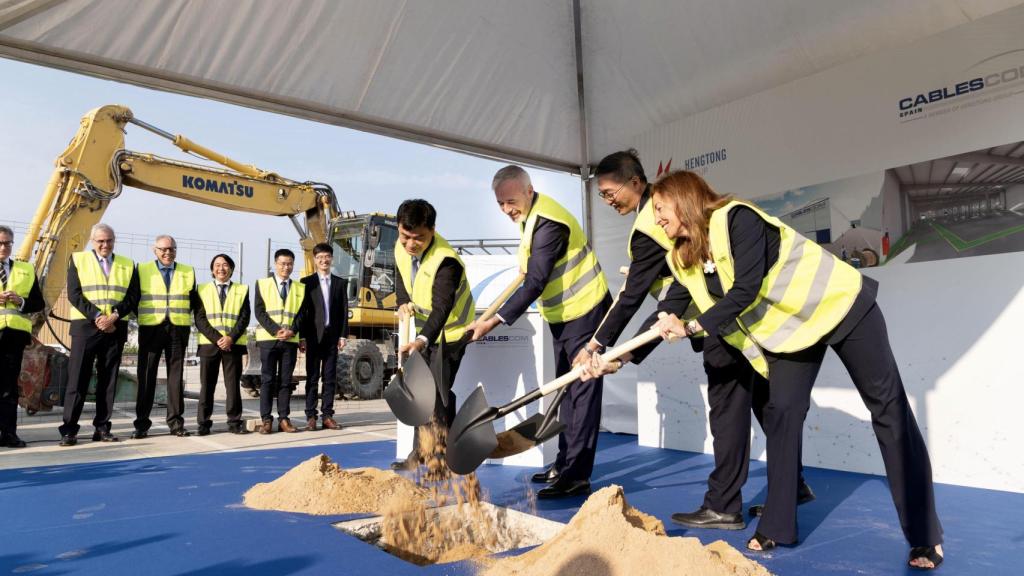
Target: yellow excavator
x,y
96,166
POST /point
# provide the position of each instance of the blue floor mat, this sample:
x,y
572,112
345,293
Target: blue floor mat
x,y
182,515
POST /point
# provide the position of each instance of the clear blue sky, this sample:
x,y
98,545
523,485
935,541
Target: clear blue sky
x,y
40,110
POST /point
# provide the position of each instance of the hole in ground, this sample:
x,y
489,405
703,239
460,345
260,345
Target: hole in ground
x,y
501,529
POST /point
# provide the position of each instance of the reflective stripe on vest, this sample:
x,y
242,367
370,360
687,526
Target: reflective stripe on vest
x,y
645,223
20,281
282,312
421,291
102,291
576,284
223,319
157,302
805,295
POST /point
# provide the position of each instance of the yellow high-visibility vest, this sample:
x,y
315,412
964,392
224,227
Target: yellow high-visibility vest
x,y
805,295
282,312
645,224
421,288
157,302
223,318
20,281
576,284
104,292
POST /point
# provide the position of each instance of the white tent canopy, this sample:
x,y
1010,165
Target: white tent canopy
x,y
556,83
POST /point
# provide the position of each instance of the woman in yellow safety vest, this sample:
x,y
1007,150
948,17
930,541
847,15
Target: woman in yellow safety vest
x,y
785,300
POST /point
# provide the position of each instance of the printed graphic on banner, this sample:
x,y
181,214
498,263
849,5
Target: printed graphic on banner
x,y
993,78
969,204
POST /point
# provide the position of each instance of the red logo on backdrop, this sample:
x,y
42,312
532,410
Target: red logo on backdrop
x,y
664,169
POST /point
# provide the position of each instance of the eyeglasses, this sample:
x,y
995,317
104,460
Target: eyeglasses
x,y
610,195
102,241
165,250
6,243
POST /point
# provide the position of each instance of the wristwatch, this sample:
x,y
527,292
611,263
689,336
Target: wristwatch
x,y
690,328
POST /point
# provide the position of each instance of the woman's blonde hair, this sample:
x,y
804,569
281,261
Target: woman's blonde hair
x,y
694,201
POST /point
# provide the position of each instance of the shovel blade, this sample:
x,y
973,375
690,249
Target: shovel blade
x,y
471,437
526,435
411,393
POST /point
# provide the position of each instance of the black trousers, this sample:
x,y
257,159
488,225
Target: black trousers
x,y
321,361
580,411
734,390
11,352
88,349
867,356
210,360
169,342
443,415
277,361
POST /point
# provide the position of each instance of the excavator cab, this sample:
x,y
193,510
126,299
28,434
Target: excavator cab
x,y
364,254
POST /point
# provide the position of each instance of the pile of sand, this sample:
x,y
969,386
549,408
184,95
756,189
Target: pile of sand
x,y
319,486
609,537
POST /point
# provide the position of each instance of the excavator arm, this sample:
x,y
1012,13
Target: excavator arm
x,y
95,166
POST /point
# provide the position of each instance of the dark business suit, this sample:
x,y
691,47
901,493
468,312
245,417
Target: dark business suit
x,y
580,409
321,329
277,359
90,346
12,347
442,301
210,359
169,341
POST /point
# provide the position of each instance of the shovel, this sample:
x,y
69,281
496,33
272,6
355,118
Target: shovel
x,y
471,438
411,391
541,427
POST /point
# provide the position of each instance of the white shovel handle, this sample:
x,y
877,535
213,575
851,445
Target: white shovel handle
x,y
613,354
493,308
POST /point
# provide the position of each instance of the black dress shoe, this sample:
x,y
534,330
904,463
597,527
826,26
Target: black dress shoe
x,y
546,477
705,518
103,436
67,440
139,434
804,494
563,488
12,441
181,433
407,464
204,430
237,430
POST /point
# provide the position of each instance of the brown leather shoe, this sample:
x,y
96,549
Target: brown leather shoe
x,y
311,424
286,426
330,424
267,427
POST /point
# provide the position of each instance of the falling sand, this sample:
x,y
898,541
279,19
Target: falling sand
x,y
319,486
609,537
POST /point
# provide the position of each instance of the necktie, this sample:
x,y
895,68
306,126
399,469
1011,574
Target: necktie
x,y
284,290
223,294
3,275
325,289
167,276
106,266
415,269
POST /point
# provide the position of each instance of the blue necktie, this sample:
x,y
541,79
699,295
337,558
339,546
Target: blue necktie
x,y
284,290
167,276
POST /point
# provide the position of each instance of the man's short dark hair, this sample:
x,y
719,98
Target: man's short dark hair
x,y
284,252
323,247
231,263
416,213
622,166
